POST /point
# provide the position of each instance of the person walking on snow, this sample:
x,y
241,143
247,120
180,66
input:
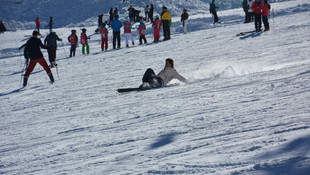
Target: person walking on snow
x,y
111,16
84,41
257,10
104,37
150,80
50,24
147,11
32,51
73,39
127,32
116,26
51,42
213,9
265,13
166,21
184,18
142,29
156,26
38,25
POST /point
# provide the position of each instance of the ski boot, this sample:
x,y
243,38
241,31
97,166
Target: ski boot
x,y
51,78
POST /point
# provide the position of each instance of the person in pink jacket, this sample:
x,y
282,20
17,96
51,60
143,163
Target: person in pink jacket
x,y
265,13
156,26
257,10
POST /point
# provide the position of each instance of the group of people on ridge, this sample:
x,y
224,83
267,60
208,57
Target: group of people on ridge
x,y
259,9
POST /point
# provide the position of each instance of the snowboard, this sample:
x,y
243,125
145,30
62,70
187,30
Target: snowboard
x,y
122,90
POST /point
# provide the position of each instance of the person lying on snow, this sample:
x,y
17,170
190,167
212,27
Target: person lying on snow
x,y
150,80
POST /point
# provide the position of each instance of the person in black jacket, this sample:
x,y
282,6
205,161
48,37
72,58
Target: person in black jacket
x,y
51,42
32,51
50,24
151,13
184,18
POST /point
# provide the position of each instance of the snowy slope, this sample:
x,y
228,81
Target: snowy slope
x,y
245,109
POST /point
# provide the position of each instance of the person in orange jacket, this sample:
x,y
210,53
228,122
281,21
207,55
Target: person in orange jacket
x,y
265,13
257,10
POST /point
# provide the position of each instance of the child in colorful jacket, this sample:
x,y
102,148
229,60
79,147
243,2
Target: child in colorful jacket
x,y
265,13
84,41
73,39
257,10
156,26
104,37
127,32
142,29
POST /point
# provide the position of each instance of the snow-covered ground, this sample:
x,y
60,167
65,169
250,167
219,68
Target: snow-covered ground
x,y
244,110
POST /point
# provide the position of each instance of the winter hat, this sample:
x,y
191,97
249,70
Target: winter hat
x,y
73,31
35,33
170,61
83,30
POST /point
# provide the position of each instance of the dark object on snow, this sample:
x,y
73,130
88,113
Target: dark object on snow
x,y
2,27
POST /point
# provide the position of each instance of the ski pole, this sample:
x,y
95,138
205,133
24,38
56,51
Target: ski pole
x,y
63,46
21,76
273,17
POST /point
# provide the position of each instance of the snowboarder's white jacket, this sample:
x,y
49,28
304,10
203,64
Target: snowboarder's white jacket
x,y
169,73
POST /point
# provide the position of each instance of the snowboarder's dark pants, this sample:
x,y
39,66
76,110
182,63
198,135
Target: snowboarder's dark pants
x,y
216,18
258,21
266,23
166,29
150,77
116,35
246,11
72,50
142,37
51,54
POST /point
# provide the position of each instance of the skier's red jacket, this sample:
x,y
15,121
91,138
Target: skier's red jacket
x,y
257,7
37,23
73,39
127,27
265,9
104,34
84,39
157,24
142,29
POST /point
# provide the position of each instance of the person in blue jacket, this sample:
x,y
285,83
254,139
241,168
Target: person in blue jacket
x,y
116,26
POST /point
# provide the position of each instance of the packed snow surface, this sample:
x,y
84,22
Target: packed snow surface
x,y
244,110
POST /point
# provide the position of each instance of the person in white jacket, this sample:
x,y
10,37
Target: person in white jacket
x,y
150,80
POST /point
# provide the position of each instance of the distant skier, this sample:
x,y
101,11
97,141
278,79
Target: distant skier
x,y
73,39
116,11
2,27
50,24
151,13
38,25
116,26
111,16
131,13
147,11
150,80
84,41
156,26
184,18
265,13
213,9
142,29
100,22
32,51
104,37
246,7
257,10
127,32
166,21
51,42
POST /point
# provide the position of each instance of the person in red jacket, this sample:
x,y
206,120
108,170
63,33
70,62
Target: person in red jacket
x,y
142,30
84,41
156,26
257,10
104,37
73,39
265,13
38,25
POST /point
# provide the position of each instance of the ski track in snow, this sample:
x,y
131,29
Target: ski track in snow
x,y
245,109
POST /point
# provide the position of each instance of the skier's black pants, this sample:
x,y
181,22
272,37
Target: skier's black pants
x,y
166,29
150,77
216,18
116,36
265,21
51,54
142,37
246,11
258,21
72,50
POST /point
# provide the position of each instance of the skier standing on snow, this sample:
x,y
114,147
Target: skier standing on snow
x,y
104,37
51,42
111,16
127,32
184,18
257,10
150,80
250,14
265,13
147,11
156,26
32,51
38,25
166,21
151,13
50,24
84,41
116,26
73,39
131,14
100,23
142,29
213,9
245,7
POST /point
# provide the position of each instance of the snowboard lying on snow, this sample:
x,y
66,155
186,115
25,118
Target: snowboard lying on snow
x,y
122,90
